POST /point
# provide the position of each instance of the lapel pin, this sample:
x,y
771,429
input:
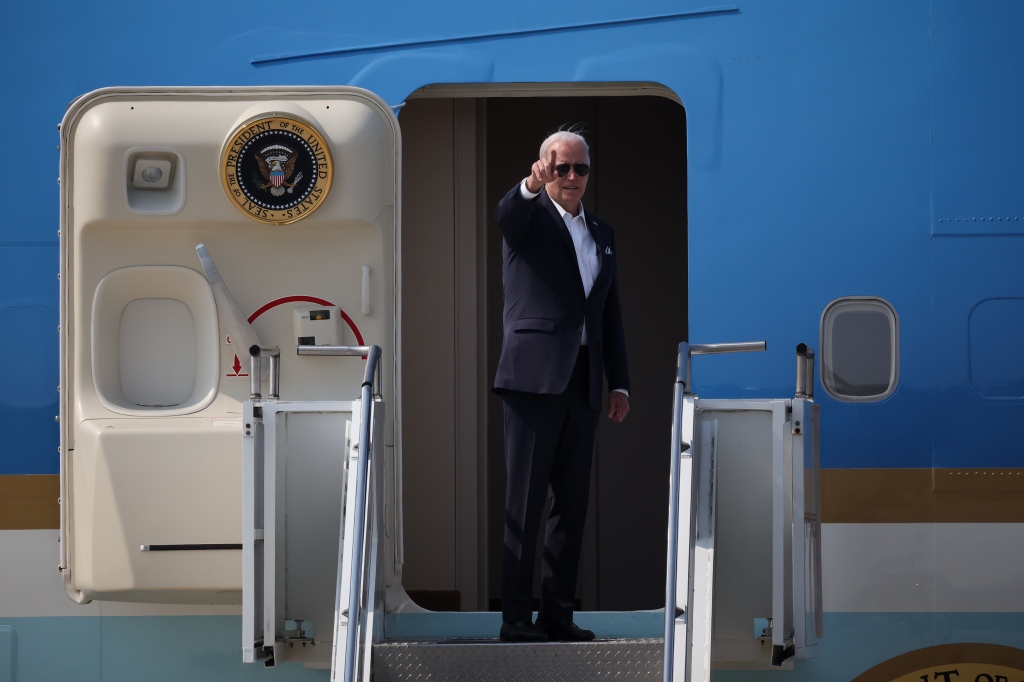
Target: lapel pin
x,y
607,250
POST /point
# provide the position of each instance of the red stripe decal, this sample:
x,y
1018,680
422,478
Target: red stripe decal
x,y
315,301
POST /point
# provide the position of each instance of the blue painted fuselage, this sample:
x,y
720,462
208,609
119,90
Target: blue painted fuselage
x,y
854,148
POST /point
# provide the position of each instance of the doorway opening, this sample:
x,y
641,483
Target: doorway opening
x,y
461,153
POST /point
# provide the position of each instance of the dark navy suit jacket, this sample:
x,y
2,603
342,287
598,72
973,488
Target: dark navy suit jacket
x,y
545,307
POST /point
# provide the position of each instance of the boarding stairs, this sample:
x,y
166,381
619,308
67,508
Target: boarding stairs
x,y
743,578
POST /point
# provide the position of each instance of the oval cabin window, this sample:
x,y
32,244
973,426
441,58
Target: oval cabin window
x,y
859,349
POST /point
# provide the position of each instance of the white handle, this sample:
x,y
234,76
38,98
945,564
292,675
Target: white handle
x,y
366,290
242,335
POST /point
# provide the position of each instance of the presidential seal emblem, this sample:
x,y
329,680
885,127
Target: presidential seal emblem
x,y
276,169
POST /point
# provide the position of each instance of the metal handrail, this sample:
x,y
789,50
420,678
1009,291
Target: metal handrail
x,y
359,522
682,369
327,350
688,349
332,350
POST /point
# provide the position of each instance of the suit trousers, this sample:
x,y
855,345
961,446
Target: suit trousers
x,y
549,445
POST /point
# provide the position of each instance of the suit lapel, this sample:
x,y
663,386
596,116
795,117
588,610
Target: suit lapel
x,y
559,225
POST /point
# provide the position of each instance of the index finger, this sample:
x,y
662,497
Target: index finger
x,y
553,158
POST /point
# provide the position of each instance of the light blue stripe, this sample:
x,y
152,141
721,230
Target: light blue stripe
x,y
856,642
207,648
6,653
134,648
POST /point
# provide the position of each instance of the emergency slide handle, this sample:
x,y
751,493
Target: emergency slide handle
x,y
240,333
686,350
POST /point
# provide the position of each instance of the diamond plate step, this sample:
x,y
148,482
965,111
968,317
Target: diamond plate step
x,y
491,660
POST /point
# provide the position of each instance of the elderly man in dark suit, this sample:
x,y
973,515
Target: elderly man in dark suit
x,y
562,331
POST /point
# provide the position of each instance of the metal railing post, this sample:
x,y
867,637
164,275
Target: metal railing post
x,y
256,355
359,521
672,572
809,374
801,370
804,371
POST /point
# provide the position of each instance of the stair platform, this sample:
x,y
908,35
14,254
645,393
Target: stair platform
x,y
489,660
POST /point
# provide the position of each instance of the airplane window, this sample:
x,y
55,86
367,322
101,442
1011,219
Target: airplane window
x,y
859,349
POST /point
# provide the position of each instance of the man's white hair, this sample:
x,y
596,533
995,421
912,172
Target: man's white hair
x,y
568,136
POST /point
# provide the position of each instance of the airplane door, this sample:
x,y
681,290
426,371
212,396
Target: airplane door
x,y
294,192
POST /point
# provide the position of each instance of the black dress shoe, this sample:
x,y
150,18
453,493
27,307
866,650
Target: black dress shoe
x,y
564,631
523,631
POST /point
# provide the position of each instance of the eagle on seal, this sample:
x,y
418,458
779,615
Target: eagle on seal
x,y
277,164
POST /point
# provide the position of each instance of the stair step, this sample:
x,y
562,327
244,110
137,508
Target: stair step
x,y
491,660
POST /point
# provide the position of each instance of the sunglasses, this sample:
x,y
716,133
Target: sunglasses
x,y
581,169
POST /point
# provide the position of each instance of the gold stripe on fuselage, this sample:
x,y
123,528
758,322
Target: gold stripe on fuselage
x,y
847,496
29,502
922,495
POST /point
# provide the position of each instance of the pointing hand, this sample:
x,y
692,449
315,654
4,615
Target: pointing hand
x,y
542,173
